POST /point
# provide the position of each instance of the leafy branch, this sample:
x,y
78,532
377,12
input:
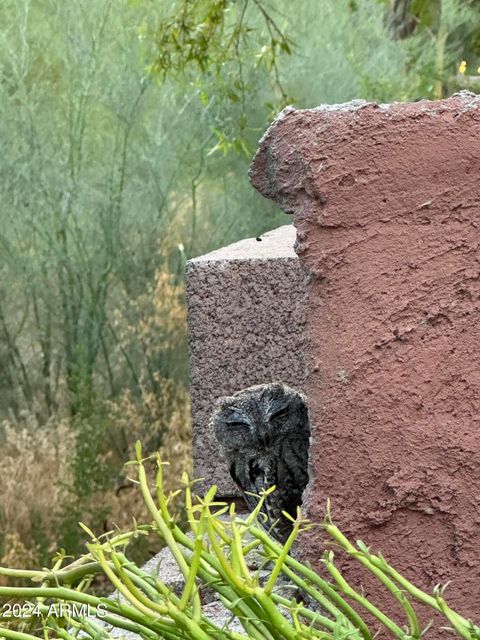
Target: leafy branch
x,y
221,39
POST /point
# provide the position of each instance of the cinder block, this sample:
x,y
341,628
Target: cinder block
x,y
386,200
246,326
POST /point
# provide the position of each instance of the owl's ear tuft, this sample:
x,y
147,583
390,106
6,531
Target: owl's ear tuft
x,y
273,389
223,403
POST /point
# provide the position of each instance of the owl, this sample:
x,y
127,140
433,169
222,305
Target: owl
x,y
264,433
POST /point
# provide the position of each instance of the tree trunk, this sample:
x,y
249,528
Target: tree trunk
x,y
399,19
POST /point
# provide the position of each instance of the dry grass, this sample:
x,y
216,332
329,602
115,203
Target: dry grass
x,y
175,447
37,484
157,412
35,480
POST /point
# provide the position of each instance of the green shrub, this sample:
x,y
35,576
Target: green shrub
x,y
216,554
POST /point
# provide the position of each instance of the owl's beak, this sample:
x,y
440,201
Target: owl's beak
x,y
266,439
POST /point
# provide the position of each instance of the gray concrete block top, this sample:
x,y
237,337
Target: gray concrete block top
x,y
278,243
246,326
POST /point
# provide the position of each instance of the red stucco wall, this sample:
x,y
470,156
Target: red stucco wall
x,y
386,201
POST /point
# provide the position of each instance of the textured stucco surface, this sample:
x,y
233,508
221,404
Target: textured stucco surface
x,y
246,326
386,201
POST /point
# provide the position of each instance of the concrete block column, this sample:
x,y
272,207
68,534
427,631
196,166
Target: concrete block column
x,y
246,326
386,201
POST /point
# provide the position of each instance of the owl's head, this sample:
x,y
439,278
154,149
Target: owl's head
x,y
260,417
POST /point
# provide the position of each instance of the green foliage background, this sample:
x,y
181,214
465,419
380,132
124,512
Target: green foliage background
x,y
126,132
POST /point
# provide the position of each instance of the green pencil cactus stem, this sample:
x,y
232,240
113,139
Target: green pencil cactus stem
x,y
215,553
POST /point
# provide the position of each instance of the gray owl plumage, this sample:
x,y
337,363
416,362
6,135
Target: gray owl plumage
x,y
264,433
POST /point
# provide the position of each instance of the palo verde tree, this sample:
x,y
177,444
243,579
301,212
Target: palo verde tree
x,y
100,157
